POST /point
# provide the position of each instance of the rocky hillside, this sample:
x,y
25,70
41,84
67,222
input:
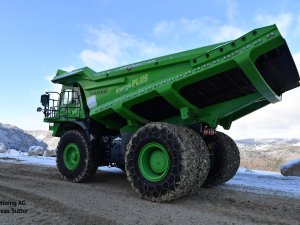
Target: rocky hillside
x,y
12,137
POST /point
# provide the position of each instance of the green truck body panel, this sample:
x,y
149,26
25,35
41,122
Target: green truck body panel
x,y
215,85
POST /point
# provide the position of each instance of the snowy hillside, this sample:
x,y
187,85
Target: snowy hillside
x,y
12,137
267,142
45,136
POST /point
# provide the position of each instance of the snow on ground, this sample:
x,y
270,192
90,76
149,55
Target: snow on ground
x,y
255,181
264,182
23,158
14,156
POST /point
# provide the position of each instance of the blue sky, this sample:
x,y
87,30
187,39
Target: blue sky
x,y
38,37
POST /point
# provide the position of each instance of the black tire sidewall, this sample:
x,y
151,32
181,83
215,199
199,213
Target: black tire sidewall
x,y
225,160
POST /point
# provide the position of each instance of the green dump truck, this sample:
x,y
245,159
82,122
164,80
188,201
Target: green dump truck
x,y
157,119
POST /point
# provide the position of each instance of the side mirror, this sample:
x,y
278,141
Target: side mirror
x,y
39,109
45,99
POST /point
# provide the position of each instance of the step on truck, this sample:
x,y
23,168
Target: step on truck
x,y
156,119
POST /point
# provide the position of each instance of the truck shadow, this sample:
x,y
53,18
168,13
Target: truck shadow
x,y
116,178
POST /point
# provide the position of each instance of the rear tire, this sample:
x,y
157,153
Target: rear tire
x,y
225,160
164,162
74,158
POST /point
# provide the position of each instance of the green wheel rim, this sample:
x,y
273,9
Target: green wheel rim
x,y
154,162
71,156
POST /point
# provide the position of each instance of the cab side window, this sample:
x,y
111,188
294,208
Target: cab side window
x,y
67,97
70,97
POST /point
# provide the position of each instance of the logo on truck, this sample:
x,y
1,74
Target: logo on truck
x,y
134,83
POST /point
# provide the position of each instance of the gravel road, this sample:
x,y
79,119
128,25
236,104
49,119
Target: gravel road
x,y
36,195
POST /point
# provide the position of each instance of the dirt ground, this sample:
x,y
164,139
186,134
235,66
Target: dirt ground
x,y
41,197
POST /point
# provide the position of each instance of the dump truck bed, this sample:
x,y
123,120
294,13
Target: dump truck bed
x,y
216,84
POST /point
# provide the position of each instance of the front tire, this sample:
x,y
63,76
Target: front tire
x,y
225,160
74,158
164,162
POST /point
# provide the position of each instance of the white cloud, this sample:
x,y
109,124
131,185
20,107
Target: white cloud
x,y
226,32
232,10
283,21
99,59
208,28
163,28
198,25
205,28
111,47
